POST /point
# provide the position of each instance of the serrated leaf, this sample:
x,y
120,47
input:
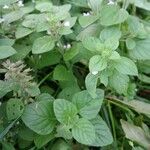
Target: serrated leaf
x,y
126,66
41,140
84,132
6,51
112,14
87,20
44,6
103,134
13,16
64,132
61,73
22,32
136,134
14,108
6,42
97,63
87,106
39,117
91,83
110,32
65,111
42,45
95,5
122,85
91,43
141,50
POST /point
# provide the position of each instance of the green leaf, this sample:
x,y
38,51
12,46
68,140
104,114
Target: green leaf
x,y
112,14
6,51
91,83
39,117
84,132
41,140
7,2
126,66
22,51
60,145
144,78
5,87
104,77
87,106
141,50
13,16
33,90
65,111
61,73
103,134
95,5
64,132
43,44
47,59
122,85
110,32
22,32
91,43
14,108
144,4
136,134
43,6
130,43
97,63
87,20
71,53
7,42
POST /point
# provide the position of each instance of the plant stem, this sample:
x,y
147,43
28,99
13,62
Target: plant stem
x,y
113,124
45,78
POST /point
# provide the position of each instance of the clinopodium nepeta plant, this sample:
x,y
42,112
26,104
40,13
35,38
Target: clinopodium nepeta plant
x,y
74,74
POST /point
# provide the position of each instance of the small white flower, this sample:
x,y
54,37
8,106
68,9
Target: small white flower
x,y
5,7
67,24
2,20
94,72
65,46
20,3
68,46
110,2
86,14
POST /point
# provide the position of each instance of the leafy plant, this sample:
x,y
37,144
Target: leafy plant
x,y
74,74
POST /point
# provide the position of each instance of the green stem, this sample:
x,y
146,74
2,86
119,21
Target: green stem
x,y
45,78
113,124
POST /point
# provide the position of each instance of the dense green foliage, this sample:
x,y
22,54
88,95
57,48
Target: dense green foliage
x,y
74,74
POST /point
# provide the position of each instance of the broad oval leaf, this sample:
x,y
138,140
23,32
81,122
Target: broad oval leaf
x,y
141,50
84,132
39,117
103,134
112,14
97,63
126,66
43,44
14,108
91,83
65,111
6,51
87,106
